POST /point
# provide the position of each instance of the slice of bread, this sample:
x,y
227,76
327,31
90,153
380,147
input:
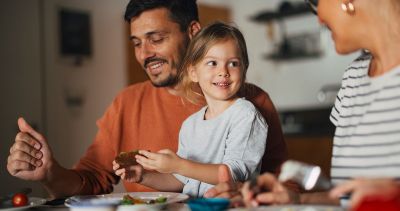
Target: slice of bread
x,y
127,158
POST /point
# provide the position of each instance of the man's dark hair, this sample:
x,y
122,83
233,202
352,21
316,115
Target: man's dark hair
x,y
182,12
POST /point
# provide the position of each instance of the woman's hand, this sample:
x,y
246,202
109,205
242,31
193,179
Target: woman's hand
x,y
129,173
164,161
275,192
361,189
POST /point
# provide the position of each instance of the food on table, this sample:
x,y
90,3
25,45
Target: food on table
x,y
129,200
19,200
127,158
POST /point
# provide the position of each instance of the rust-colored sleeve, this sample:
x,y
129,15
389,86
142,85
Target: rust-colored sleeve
x,y
95,167
275,150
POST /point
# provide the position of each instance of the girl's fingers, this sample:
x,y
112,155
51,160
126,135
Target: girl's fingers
x,y
148,154
165,151
145,164
145,161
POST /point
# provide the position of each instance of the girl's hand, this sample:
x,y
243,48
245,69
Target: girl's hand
x,y
226,188
164,161
129,173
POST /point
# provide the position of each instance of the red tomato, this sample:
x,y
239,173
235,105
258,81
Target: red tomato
x,y
19,200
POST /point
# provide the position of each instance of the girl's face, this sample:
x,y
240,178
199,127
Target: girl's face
x,y
219,73
344,27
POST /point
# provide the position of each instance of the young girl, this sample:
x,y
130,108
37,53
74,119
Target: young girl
x,y
228,131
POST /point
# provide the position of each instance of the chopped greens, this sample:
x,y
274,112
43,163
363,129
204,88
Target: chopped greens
x,y
129,200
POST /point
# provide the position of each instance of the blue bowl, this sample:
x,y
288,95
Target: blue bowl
x,y
208,204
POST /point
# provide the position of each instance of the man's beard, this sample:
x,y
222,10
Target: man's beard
x,y
171,80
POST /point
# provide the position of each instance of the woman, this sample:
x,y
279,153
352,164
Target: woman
x,y
367,109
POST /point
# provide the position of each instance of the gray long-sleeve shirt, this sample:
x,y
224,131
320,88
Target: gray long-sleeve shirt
x,y
235,138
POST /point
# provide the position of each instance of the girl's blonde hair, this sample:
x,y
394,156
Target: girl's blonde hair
x,y
198,48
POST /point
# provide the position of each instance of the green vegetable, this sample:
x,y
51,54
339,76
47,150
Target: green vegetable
x,y
161,199
126,202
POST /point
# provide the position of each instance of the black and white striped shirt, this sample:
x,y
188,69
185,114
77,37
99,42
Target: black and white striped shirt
x,y
367,119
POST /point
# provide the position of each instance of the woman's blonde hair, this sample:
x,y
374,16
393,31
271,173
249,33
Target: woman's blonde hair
x,y
198,48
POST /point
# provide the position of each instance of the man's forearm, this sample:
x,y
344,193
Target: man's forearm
x,y
317,198
62,182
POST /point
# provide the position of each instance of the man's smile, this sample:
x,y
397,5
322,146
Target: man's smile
x,y
155,67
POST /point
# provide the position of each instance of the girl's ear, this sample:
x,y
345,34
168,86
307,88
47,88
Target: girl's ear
x,y
193,74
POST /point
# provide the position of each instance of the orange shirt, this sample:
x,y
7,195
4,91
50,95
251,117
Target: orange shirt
x,y
145,117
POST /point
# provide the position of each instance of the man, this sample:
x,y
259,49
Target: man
x,y
143,116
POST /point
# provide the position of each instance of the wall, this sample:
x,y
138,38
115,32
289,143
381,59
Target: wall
x,y
35,77
20,79
99,78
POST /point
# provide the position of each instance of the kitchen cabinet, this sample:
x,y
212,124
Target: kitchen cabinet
x,y
309,135
315,150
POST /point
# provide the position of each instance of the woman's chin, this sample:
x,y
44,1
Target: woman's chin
x,y
343,49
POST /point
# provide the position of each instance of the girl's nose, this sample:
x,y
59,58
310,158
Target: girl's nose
x,y
224,74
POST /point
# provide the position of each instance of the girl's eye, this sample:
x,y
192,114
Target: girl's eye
x,y
211,63
234,64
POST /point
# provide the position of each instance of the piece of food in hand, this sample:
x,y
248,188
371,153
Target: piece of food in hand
x,y
19,200
127,158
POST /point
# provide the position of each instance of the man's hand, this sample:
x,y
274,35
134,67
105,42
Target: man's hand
x,y
132,173
361,189
164,161
30,156
277,192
